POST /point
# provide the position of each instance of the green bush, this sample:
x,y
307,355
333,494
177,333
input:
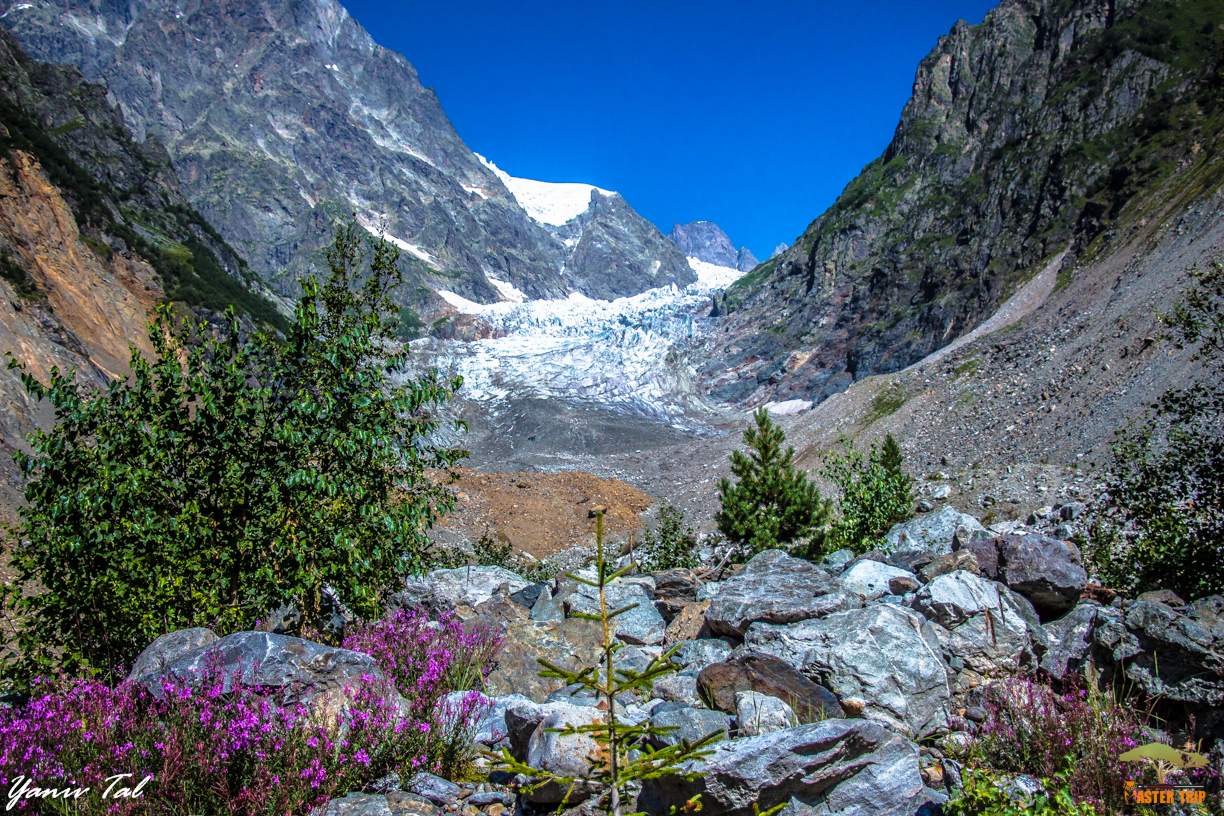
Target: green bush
x,y
1160,521
771,503
228,475
985,794
876,493
671,544
492,550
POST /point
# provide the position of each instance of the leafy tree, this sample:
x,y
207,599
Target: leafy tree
x,y
671,544
876,493
228,475
626,754
771,503
1160,522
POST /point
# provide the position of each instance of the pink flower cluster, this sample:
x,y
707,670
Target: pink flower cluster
x,y
249,751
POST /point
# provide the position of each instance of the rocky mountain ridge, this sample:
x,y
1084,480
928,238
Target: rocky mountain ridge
x,y
706,241
284,115
94,232
1026,136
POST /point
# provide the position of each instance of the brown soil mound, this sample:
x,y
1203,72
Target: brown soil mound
x,y
544,513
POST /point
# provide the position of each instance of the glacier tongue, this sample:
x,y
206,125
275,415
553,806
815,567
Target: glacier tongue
x,y
627,355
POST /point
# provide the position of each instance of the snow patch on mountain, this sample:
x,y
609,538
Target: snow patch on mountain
x,y
548,202
374,226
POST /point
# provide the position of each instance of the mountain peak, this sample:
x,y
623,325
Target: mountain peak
x,y
706,241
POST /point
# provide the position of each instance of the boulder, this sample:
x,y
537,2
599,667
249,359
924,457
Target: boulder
x,y
694,655
570,643
300,668
152,662
848,767
887,656
358,804
746,670
1070,639
675,589
491,729
775,588
871,579
445,589
677,688
1171,654
560,753
932,532
641,624
949,562
1047,571
687,623
687,723
992,631
434,788
757,713
546,609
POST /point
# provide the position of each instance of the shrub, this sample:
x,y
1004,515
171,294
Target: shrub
x,y
985,794
1160,521
671,544
771,503
875,494
228,475
1075,736
496,551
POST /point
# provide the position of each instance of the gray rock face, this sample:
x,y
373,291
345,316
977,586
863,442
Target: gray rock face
x,y
884,655
993,631
706,241
273,661
959,164
695,655
932,532
1047,571
641,625
281,116
775,588
1070,640
870,579
757,714
688,723
170,647
1168,653
444,589
677,688
849,767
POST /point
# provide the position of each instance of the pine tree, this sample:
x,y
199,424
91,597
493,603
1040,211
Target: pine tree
x,y
890,455
771,503
626,754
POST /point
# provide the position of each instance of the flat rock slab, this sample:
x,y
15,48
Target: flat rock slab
x,y
775,588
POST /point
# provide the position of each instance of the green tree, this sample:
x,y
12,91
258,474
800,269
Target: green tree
x,y
771,503
229,474
671,544
627,752
876,493
1160,522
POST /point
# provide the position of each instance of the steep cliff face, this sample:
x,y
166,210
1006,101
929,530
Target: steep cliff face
x,y
282,115
93,234
1026,136
706,241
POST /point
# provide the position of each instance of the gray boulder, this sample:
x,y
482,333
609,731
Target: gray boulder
x,y
358,804
301,667
688,723
161,653
932,532
848,767
695,655
559,753
870,579
1172,654
757,713
444,589
887,656
642,624
1070,641
992,631
775,588
677,688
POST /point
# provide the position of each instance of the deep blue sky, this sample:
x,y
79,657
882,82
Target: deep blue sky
x,y
750,114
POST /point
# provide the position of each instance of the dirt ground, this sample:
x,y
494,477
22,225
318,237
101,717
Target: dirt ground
x,y
544,513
